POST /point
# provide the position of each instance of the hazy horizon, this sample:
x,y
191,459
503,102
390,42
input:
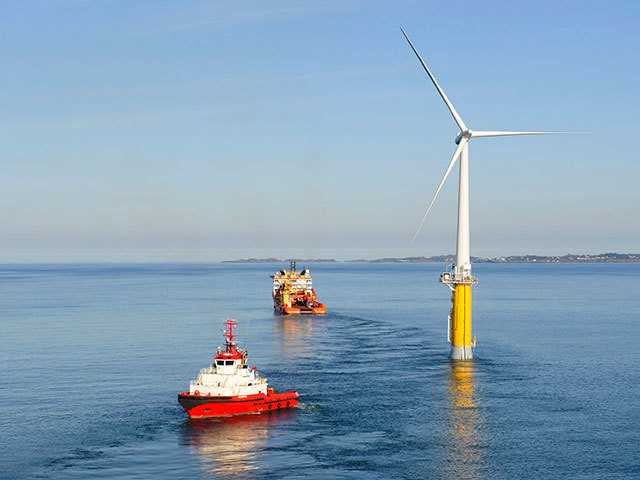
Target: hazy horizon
x,y
154,257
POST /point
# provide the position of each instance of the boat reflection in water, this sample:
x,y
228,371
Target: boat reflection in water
x,y
466,438
298,335
232,448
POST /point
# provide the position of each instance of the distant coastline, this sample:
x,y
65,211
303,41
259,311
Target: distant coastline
x,y
277,260
568,258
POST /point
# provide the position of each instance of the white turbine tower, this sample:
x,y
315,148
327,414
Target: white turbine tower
x,y
460,279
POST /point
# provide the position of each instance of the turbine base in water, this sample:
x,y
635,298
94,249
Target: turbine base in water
x,y
461,353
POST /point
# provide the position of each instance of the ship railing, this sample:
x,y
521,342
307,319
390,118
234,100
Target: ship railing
x,y
457,278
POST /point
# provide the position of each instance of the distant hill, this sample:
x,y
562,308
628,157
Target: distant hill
x,y
434,259
568,258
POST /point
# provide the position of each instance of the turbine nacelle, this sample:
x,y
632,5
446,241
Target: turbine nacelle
x,y
468,133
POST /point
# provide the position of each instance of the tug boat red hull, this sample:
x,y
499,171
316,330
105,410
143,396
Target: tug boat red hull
x,y
204,406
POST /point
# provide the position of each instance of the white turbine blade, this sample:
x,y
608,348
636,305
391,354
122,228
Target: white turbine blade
x,y
456,154
456,117
490,133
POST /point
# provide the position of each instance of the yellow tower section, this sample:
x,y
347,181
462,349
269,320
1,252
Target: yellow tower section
x,y
460,332
461,328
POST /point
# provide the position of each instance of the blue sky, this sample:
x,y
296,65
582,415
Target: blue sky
x,y
205,130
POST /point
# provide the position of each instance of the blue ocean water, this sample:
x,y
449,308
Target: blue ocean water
x,y
92,358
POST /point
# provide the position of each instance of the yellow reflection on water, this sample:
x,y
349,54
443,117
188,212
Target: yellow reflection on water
x,y
467,424
298,332
231,448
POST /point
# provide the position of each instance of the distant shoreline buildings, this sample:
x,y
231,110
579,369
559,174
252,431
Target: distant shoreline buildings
x,y
568,258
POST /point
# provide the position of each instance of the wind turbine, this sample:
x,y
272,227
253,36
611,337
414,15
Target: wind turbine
x,y
460,279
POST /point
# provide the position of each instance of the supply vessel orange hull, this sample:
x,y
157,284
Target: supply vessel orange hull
x,y
293,293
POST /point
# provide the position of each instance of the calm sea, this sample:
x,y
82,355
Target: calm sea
x,y
92,358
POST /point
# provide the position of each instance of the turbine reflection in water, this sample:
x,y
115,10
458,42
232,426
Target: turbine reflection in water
x,y
232,448
467,424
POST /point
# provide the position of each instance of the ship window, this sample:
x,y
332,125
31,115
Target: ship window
x,y
219,362
229,362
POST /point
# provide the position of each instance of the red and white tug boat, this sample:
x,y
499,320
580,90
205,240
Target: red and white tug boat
x,y
229,387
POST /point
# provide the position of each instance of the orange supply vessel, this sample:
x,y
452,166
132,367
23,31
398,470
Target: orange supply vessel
x,y
230,387
293,293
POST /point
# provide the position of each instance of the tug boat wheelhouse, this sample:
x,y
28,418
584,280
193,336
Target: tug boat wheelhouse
x,y
229,387
293,293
